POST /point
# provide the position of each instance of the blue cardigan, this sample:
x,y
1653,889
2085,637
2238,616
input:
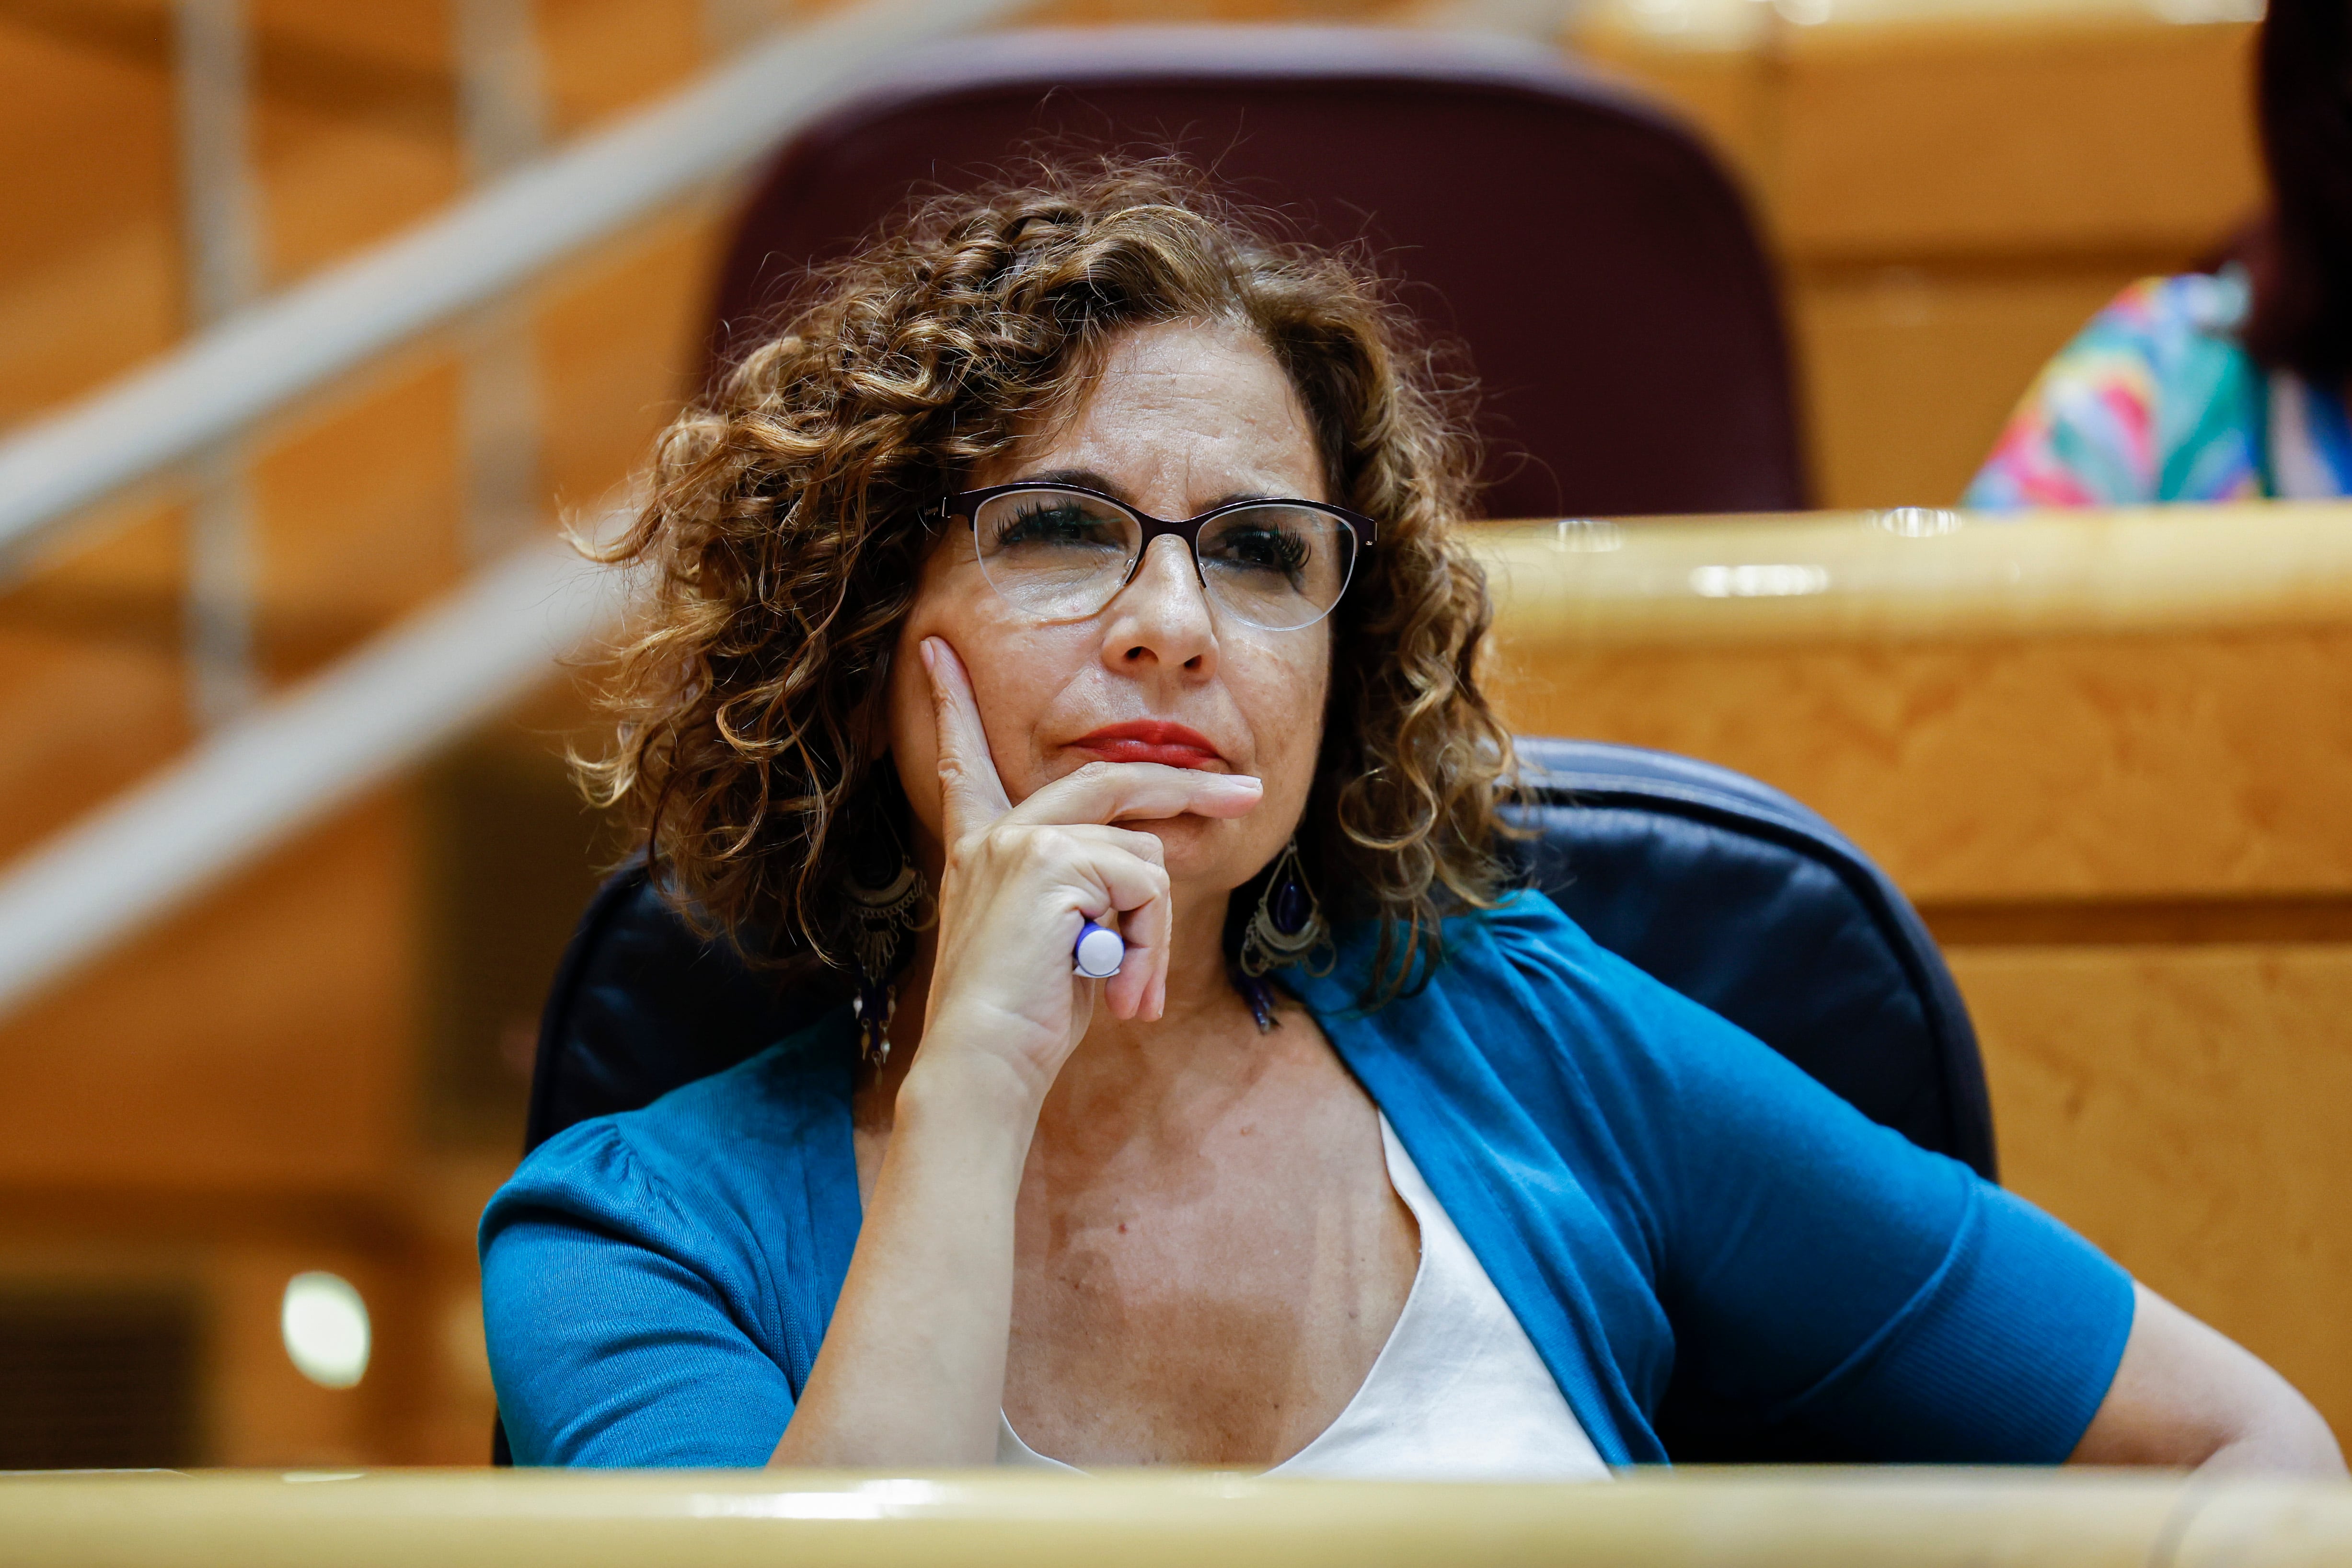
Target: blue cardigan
x,y
1648,1186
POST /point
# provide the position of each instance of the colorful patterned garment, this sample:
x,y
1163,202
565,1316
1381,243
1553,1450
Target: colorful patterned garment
x,y
2155,401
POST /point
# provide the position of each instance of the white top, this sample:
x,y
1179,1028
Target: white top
x,y
1458,1393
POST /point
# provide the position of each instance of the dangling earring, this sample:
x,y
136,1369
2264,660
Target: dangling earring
x,y
1288,927
884,915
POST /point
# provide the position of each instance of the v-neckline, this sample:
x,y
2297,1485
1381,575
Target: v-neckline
x,y
1011,1449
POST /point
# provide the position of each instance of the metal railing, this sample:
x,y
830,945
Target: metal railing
x,y
260,362
266,769
287,763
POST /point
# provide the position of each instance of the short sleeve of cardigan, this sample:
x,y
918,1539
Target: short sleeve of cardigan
x,y
1818,1268
617,1333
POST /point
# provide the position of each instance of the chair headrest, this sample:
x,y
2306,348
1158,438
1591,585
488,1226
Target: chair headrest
x,y
1538,214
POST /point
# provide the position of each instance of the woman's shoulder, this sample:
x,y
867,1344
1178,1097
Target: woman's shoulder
x,y
2184,330
2154,399
2157,330
722,1145
1478,950
1523,988
1529,1015
1526,939
2174,312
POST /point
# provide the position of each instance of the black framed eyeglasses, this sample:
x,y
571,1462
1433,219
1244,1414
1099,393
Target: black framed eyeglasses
x,y
1062,552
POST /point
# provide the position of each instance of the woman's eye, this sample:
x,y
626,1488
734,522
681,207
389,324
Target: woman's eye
x,y
1054,525
1262,549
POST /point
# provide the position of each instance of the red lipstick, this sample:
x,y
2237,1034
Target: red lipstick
x,y
1149,740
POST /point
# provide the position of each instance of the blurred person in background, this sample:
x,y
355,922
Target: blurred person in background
x,y
2228,385
1078,554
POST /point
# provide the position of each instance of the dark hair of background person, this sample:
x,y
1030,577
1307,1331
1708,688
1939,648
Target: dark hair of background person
x,y
2299,256
790,509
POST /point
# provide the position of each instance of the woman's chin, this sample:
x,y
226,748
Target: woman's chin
x,y
1199,852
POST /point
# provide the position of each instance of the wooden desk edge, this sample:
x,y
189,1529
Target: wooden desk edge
x,y
1810,1517
1916,573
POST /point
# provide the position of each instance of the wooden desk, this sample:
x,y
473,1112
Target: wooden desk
x,y
1823,1518
2110,756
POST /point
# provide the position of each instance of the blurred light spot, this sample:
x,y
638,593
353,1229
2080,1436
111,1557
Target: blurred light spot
x,y
1803,12
1584,534
1758,582
1663,15
325,1325
1917,521
869,1499
2196,11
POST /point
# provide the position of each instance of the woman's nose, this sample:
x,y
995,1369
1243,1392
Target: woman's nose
x,y
1163,614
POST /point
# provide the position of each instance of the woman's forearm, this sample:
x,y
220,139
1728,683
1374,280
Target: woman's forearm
x,y
912,1368
2185,1395
2295,1443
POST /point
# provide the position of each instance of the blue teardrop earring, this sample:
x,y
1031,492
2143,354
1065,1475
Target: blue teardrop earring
x,y
1287,930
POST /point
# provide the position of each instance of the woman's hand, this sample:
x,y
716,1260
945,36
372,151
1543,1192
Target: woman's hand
x,y
912,1369
1021,880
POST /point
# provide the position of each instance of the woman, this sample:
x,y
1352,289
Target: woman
x,y
2228,385
1450,1198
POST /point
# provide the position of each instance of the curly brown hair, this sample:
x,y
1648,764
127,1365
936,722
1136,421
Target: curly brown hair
x,y
791,508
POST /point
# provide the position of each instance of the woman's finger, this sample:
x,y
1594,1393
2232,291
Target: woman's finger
x,y
1143,925
1140,987
1134,841
1134,886
1084,804
971,795
1139,792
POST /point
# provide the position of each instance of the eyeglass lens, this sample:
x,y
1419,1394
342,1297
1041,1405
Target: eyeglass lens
x,y
1064,554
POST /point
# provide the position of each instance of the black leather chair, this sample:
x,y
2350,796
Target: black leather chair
x,y
1724,888
1600,267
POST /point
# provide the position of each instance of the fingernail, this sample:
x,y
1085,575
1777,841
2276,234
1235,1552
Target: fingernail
x,y
930,660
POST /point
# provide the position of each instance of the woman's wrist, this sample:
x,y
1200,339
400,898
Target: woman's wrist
x,y
973,1053
975,1099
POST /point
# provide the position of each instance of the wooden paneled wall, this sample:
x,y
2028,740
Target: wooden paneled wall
x,y
2137,854
1952,200
2110,759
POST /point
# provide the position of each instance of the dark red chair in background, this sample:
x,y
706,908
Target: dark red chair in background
x,y
1593,257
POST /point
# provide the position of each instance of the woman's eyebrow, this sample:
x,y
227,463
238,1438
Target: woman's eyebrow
x,y
1084,478
1094,479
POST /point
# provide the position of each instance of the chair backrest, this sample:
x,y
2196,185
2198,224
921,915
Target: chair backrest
x,y
1603,273
1725,889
